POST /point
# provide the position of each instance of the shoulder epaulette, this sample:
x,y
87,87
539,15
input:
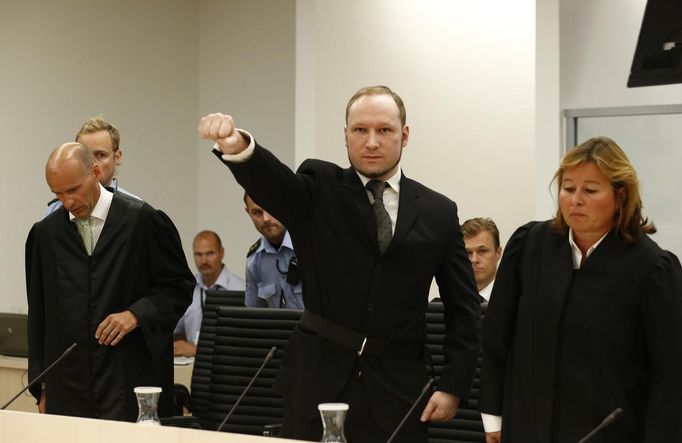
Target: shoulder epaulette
x,y
254,247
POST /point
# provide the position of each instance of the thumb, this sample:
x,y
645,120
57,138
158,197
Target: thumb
x,y
231,140
428,410
233,143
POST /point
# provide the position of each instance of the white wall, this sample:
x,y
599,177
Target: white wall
x,y
246,68
548,128
62,62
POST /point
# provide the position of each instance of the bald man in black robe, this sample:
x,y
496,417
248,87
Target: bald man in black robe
x,y
117,288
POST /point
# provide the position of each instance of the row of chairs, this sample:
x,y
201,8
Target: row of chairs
x,y
233,342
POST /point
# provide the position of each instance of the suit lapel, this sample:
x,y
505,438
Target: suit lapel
x,y
64,234
408,209
351,182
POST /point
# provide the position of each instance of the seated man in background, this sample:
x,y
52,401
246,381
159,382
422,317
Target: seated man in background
x,y
482,243
102,138
272,275
213,274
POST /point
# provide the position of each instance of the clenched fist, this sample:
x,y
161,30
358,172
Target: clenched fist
x,y
221,129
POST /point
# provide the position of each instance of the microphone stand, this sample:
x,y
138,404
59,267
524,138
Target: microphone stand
x,y
606,422
40,376
425,389
265,361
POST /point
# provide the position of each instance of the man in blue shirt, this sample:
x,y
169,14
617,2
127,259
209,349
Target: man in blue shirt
x,y
213,274
272,275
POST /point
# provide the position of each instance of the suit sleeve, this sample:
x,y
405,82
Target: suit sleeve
x,y
462,311
273,185
499,324
36,309
171,283
661,317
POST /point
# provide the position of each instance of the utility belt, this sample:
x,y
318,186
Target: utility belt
x,y
359,343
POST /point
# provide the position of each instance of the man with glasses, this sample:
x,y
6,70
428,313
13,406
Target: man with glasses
x,y
272,275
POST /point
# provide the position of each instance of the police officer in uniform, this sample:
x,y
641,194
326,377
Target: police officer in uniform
x,y
272,275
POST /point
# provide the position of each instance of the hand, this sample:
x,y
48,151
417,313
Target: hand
x,y
116,326
493,437
441,407
184,348
41,402
221,129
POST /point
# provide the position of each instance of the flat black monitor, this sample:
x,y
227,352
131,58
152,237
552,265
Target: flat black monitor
x,y
658,56
13,334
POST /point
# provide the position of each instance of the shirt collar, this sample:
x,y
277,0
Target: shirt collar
x,y
223,279
266,246
101,209
393,181
577,253
485,292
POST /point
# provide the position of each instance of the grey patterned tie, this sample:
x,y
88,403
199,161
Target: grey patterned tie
x,y
384,231
86,234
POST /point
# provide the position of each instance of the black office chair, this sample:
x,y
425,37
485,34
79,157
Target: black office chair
x,y
467,426
203,361
243,338
226,297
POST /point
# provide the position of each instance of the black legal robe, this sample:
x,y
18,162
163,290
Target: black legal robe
x,y
138,264
564,348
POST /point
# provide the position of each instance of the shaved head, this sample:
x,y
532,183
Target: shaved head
x,y
70,152
73,175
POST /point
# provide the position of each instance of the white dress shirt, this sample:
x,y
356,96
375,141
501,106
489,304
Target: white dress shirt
x,y
485,292
99,214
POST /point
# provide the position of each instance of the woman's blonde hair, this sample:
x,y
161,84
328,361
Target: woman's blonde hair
x,y
616,167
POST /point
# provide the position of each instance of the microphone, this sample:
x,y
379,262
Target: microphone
x,y
255,376
606,422
40,376
425,389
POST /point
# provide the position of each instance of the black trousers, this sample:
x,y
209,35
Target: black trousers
x,y
359,426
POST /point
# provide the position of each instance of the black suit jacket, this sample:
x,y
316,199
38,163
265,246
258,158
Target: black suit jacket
x,y
137,264
347,281
565,347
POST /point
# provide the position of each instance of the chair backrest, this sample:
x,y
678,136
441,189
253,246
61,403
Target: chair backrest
x,y
227,297
243,338
467,426
203,362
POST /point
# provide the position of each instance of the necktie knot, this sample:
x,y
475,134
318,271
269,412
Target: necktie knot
x,y
376,187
